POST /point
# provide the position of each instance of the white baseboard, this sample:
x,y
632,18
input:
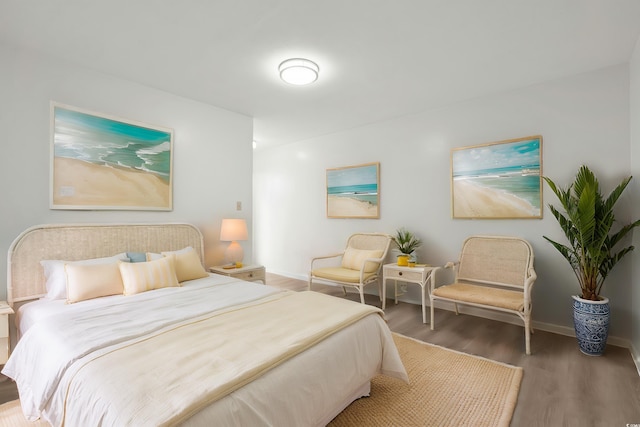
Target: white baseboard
x,y
499,316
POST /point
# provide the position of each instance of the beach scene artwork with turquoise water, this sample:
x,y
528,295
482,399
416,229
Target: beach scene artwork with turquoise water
x,y
353,192
101,162
498,180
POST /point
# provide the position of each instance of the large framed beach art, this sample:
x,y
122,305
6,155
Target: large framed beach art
x,y
354,191
104,162
498,180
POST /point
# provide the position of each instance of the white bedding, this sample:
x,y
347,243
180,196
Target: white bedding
x,y
52,342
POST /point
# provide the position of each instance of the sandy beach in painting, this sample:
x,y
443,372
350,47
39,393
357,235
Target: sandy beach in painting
x,y
79,183
348,207
472,200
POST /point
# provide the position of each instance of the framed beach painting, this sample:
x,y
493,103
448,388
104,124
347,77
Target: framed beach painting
x,y
499,180
354,191
103,162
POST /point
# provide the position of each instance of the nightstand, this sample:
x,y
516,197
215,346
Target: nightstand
x,y
420,274
250,273
5,311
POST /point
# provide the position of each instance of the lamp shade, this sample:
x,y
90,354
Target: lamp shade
x,y
233,230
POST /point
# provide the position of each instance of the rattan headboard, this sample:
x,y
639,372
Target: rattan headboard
x,y
71,242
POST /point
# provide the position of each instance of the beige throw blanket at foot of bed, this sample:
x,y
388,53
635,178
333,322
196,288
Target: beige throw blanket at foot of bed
x,y
207,359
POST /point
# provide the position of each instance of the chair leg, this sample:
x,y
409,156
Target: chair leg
x,y
432,317
344,290
362,294
527,337
424,308
309,284
456,307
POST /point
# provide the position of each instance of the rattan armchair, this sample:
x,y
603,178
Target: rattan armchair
x,y
360,263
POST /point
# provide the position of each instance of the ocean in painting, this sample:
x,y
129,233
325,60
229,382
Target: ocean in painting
x,y
360,183
108,142
363,192
521,181
513,167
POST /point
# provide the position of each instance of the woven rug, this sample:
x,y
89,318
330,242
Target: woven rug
x,y
447,388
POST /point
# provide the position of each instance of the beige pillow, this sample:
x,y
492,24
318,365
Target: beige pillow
x,y
92,281
188,266
354,258
144,276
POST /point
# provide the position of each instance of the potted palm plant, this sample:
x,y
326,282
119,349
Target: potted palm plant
x,y
407,243
587,223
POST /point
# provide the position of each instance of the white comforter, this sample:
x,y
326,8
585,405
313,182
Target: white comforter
x,y
52,350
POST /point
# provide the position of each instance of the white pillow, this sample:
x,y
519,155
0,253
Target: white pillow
x,y
56,278
152,256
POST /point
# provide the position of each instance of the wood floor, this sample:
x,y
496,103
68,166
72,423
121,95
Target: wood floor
x,y
561,386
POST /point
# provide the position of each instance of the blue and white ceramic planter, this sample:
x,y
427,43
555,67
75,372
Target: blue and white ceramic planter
x,y
591,321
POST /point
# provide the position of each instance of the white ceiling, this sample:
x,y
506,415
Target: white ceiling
x,y
378,58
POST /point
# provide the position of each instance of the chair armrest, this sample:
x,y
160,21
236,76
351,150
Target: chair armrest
x,y
325,257
528,286
379,261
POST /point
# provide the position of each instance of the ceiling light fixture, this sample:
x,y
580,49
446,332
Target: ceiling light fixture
x,y
298,71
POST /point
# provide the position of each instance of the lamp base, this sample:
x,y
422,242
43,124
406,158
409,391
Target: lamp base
x,y
234,253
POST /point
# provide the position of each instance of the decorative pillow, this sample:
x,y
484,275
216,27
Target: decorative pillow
x,y
56,278
144,276
354,258
188,266
153,256
92,281
137,256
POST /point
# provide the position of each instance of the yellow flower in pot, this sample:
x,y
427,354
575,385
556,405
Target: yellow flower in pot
x,y
407,243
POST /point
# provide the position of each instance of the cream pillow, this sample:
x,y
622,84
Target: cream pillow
x,y
354,258
86,281
56,278
188,266
145,276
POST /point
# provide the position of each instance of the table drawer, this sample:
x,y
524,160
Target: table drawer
x,y
413,276
250,275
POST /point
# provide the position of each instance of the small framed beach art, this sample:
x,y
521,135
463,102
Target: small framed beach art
x,y
354,191
498,180
99,162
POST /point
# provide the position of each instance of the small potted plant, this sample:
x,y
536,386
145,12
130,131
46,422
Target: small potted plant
x,y
592,251
407,243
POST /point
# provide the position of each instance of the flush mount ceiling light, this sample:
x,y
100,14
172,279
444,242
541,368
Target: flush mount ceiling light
x,y
298,71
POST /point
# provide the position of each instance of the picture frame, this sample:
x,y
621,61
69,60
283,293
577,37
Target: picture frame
x,y
498,180
354,191
102,162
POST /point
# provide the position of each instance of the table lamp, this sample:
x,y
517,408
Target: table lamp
x,y
233,230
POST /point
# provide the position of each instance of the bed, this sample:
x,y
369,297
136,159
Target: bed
x,y
213,349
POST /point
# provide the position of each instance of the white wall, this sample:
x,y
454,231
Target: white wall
x,y
583,119
212,165
635,183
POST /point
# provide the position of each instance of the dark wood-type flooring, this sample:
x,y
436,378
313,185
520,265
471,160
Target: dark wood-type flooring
x,y
561,386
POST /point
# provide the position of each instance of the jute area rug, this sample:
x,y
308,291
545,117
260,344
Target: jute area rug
x,y
447,388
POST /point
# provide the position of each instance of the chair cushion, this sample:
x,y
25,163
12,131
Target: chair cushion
x,y
354,258
485,295
340,274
